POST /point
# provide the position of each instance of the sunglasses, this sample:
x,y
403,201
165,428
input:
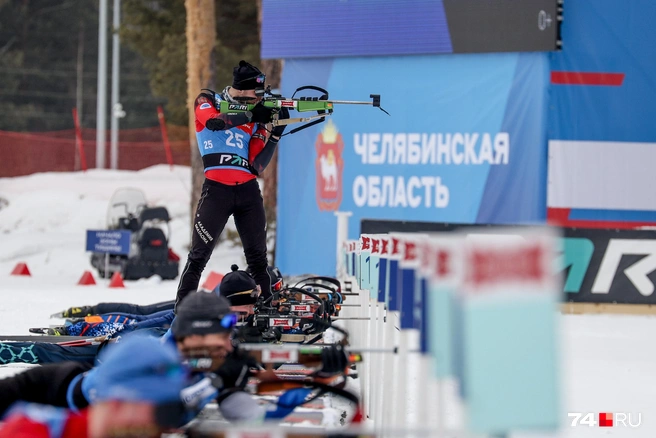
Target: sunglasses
x,y
277,286
260,79
199,363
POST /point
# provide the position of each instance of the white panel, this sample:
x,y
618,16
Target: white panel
x,y
602,175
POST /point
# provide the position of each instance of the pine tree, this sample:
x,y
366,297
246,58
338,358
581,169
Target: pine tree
x,y
201,38
39,43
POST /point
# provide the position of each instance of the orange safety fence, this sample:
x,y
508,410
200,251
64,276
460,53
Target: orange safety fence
x,y
23,153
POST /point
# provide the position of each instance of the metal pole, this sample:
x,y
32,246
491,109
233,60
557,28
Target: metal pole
x,y
115,84
101,101
80,72
78,93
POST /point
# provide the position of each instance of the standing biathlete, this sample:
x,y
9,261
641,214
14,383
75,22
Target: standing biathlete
x,y
235,148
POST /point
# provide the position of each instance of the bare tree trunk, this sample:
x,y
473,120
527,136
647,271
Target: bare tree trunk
x,y
273,70
201,38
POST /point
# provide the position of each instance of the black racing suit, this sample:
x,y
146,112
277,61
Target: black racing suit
x,y
47,384
132,309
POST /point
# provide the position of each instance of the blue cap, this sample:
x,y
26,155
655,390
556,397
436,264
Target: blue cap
x,y
140,368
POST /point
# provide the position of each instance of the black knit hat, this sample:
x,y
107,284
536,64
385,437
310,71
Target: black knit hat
x,y
247,77
238,287
200,313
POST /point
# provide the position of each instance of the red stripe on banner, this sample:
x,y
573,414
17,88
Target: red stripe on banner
x,y
560,217
581,78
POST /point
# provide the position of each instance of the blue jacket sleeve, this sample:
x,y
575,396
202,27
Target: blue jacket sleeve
x,y
287,402
164,319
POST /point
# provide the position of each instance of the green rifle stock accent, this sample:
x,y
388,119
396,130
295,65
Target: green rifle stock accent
x,y
310,350
295,104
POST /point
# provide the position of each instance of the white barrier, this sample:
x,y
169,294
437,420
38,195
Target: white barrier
x,y
400,279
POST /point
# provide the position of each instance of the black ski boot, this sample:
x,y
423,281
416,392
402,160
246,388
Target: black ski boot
x,y
74,312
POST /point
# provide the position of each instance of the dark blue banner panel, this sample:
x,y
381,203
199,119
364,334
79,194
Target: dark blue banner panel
x,y
336,28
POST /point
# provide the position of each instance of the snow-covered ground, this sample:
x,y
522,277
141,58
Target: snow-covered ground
x,y
609,361
44,221
610,366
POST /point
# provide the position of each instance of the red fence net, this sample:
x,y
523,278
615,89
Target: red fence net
x,y
23,153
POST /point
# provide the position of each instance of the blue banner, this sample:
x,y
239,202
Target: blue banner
x,y
334,28
465,143
109,241
614,41
382,278
301,28
601,116
406,295
421,313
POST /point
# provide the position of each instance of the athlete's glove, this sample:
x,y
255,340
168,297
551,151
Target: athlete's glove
x,y
261,114
279,130
233,375
248,334
215,125
334,361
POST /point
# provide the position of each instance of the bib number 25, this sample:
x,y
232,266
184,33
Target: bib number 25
x,y
235,139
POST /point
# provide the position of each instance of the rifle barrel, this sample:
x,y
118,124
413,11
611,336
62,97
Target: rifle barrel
x,y
351,102
304,348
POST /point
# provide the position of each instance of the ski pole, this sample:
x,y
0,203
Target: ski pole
x,y
82,342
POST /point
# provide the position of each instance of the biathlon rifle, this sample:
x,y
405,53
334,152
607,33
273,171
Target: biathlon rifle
x,y
321,104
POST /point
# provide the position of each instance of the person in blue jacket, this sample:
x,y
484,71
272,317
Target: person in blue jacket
x,y
112,324
137,390
201,333
49,353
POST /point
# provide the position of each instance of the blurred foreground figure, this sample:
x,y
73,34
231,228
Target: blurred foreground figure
x,y
137,394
